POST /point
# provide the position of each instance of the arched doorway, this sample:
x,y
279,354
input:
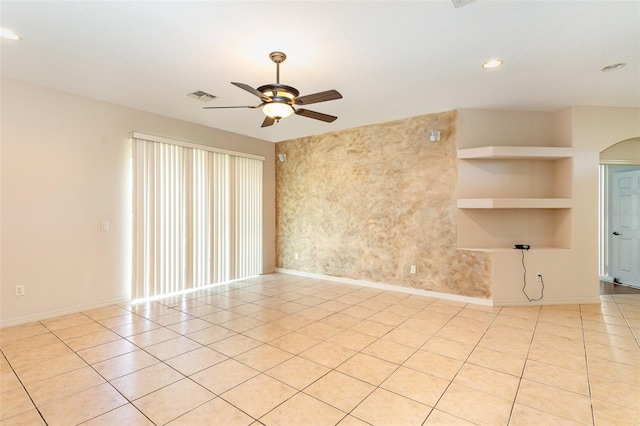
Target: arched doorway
x,y
620,213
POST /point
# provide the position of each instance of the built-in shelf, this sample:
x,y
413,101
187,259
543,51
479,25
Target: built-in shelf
x,y
515,153
515,203
507,249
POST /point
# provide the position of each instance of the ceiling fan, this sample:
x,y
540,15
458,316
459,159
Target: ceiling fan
x,y
278,100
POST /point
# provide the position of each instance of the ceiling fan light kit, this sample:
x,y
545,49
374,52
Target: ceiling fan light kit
x,y
277,110
278,99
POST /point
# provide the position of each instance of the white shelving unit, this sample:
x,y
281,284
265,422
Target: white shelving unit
x,y
511,249
515,153
514,203
518,173
514,195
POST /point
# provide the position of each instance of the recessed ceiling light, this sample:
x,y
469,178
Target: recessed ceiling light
x,y
493,63
613,67
9,34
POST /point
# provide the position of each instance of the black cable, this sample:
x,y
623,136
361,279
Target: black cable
x,y
524,279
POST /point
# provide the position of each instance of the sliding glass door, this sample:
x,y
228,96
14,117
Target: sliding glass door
x,y
197,216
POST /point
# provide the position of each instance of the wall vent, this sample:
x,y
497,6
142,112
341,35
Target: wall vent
x,y
460,3
202,96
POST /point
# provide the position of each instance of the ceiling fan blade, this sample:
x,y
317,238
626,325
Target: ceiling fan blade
x,y
224,107
327,95
252,91
316,115
268,121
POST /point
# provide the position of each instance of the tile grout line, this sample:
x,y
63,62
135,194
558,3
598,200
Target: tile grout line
x,y
109,381
327,373
261,372
141,348
376,387
98,373
400,365
463,363
24,388
539,320
319,320
586,361
591,397
184,375
179,372
586,370
162,362
524,366
334,369
626,320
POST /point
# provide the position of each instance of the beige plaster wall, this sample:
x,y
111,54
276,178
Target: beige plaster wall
x,y
625,152
65,168
594,130
570,269
367,203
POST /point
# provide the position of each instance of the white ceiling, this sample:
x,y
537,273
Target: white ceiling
x,y
389,60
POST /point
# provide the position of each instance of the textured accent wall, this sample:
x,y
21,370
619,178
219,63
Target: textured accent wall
x,y
367,203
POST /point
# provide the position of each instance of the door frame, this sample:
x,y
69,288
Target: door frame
x,y
605,204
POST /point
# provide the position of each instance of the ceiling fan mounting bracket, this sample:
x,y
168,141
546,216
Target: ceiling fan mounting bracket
x,y
277,57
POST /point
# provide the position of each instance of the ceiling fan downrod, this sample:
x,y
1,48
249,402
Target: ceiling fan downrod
x,y
278,58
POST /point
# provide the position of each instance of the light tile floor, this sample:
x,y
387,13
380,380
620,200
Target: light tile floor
x,y
287,350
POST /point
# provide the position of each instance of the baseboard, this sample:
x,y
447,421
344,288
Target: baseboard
x,y
585,301
389,287
71,310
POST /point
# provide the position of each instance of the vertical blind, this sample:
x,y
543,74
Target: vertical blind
x,y
197,216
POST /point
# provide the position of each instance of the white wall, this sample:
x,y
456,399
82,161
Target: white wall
x,y
570,271
594,130
65,168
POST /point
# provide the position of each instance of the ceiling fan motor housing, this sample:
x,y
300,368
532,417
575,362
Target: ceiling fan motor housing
x,y
279,92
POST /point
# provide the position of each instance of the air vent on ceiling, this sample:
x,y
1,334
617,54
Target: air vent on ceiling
x,y
460,3
202,96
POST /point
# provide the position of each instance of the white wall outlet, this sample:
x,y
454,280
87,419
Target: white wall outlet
x,y
296,256
19,290
104,226
412,269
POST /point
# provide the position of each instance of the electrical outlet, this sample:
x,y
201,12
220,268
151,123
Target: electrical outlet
x,y
19,290
538,277
412,269
296,256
